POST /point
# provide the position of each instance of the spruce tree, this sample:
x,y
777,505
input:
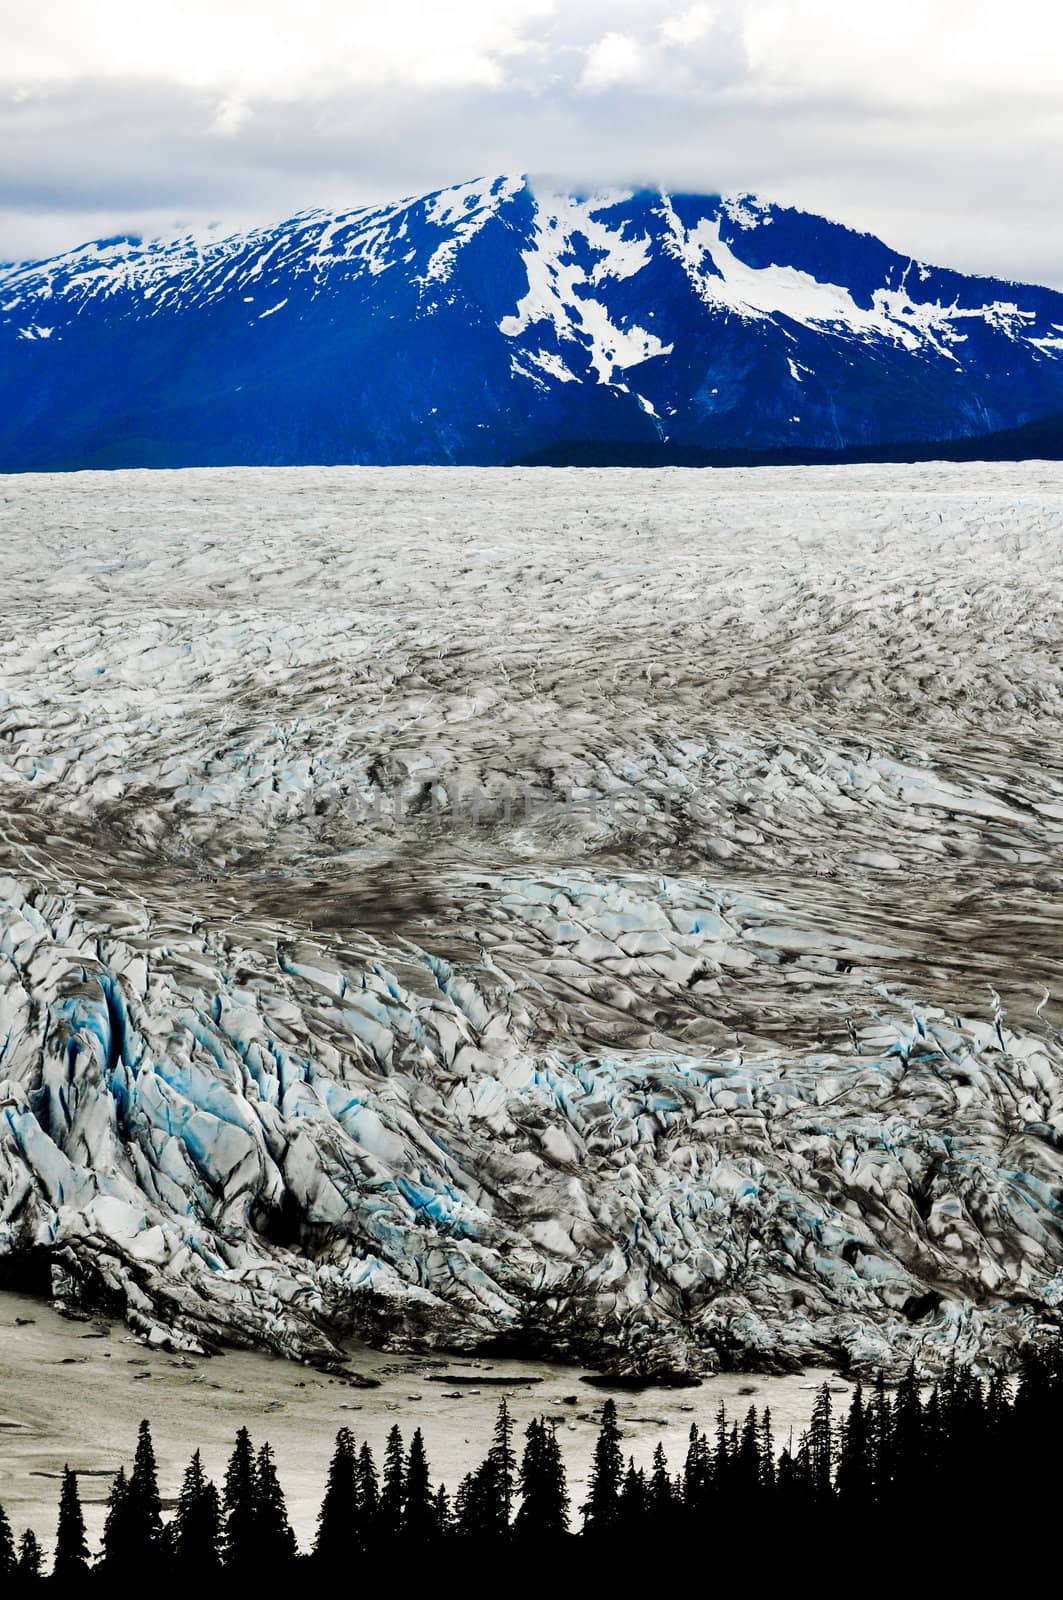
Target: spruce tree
x,y
339,1520
747,1457
71,1549
444,1518
853,1479
196,1530
880,1440
601,1509
476,1505
821,1447
274,1541
661,1494
634,1499
393,1488
8,1558
504,1462
142,1512
418,1511
907,1441
29,1558
238,1502
767,1453
697,1471
721,1455
543,1513
117,1545
368,1491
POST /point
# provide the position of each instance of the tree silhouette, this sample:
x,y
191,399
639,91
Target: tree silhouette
x,y
543,1512
393,1489
71,1549
115,1556
143,1512
853,1478
273,1538
197,1524
419,1509
29,1557
504,1462
660,1494
634,1498
339,1520
821,1446
238,1501
8,1559
368,1491
602,1507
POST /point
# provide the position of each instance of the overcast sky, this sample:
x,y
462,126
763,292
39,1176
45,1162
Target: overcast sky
x,y
937,124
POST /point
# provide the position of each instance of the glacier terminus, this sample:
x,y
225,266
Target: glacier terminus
x,y
720,1026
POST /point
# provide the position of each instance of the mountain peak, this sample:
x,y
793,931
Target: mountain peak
x,y
505,316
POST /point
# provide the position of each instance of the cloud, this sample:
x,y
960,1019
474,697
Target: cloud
x,y
615,58
688,26
935,126
230,116
273,48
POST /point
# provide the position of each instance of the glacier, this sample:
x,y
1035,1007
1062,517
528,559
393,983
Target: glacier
x,y
610,915
502,321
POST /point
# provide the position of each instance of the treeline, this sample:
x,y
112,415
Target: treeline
x,y
893,1456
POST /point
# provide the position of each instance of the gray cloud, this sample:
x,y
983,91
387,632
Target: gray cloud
x,y
965,171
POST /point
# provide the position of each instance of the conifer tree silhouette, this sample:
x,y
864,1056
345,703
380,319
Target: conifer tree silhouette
x,y
29,1558
543,1511
141,1512
419,1509
444,1516
117,1545
660,1494
8,1558
368,1492
196,1531
821,1446
238,1502
504,1462
71,1549
393,1485
602,1507
339,1520
274,1542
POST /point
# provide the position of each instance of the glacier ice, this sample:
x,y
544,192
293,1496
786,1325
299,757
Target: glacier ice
x,y
739,1044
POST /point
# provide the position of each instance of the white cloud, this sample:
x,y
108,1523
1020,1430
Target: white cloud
x,y
909,51
266,47
615,58
688,26
933,123
230,116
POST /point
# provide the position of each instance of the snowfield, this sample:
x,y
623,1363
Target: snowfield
x,y
617,914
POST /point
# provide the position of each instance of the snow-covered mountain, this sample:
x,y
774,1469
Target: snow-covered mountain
x,y
494,322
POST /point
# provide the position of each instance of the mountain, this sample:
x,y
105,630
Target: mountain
x,y
494,322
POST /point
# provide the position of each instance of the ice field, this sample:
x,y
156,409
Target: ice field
x,y
613,913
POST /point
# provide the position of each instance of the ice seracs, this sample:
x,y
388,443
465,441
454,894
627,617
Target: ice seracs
x,y
607,913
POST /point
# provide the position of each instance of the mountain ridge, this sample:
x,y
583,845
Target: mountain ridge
x,y
494,321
